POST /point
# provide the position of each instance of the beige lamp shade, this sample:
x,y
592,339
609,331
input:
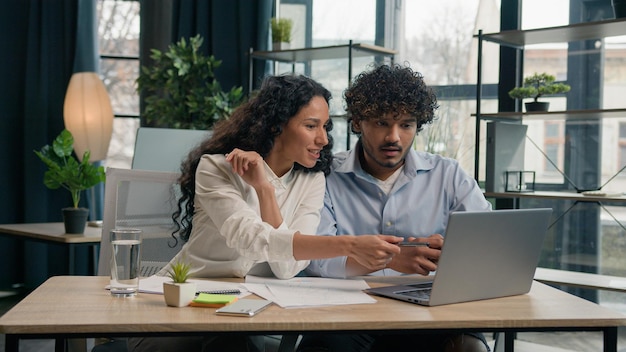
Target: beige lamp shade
x,y
88,115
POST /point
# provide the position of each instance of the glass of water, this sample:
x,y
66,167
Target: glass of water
x,y
125,261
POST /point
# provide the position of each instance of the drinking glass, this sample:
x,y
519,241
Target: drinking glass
x,y
125,261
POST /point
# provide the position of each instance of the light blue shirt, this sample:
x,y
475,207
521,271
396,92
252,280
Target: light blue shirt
x,y
418,205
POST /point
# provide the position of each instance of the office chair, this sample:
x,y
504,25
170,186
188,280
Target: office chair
x,y
141,199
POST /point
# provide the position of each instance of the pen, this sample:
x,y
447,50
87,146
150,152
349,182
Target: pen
x,y
413,244
220,292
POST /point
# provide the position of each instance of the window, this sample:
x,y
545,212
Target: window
x,y
118,30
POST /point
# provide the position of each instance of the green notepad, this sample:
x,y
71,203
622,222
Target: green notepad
x,y
212,300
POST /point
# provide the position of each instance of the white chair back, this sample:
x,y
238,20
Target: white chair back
x,y
146,200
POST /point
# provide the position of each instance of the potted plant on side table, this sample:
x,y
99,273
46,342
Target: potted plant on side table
x,y
64,170
179,292
535,86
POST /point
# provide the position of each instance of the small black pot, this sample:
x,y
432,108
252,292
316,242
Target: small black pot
x,y
537,106
75,220
619,7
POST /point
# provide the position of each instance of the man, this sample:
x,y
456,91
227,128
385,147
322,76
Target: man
x,y
385,186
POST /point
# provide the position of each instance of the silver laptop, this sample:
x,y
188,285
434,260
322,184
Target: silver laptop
x,y
485,255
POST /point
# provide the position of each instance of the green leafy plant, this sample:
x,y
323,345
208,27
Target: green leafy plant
x,y
537,85
281,30
181,90
179,271
64,170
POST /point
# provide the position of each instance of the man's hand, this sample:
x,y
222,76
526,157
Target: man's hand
x,y
418,260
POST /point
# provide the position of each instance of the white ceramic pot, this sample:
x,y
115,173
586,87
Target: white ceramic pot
x,y
179,295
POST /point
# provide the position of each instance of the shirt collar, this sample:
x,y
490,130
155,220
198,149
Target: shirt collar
x,y
278,182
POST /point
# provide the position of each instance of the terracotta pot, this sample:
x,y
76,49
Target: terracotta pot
x,y
179,295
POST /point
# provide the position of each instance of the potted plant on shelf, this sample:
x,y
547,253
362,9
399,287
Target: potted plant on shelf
x,y
179,292
281,33
535,86
64,170
181,90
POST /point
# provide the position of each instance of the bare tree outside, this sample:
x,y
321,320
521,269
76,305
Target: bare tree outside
x,y
441,51
118,29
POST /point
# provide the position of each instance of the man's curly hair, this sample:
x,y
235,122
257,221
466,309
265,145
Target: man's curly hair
x,y
253,126
390,89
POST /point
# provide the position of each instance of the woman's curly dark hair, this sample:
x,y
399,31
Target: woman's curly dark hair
x,y
253,126
390,89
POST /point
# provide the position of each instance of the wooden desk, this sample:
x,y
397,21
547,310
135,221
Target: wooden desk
x,y
54,232
79,306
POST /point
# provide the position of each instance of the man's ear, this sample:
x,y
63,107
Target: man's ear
x,y
356,126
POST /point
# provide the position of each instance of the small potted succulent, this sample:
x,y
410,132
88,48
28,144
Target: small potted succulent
x,y
281,33
64,170
179,292
535,86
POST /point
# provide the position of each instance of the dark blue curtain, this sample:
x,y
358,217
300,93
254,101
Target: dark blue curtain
x,y
229,28
39,39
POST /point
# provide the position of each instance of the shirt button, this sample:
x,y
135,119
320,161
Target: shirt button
x,y
388,223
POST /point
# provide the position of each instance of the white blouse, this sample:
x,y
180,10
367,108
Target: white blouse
x,y
228,237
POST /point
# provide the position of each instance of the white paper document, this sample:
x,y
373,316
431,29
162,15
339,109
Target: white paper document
x,y
301,292
154,284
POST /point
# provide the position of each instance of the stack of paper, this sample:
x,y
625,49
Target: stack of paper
x,y
302,292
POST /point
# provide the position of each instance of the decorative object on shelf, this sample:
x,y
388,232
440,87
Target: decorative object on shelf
x,y
64,170
179,292
281,33
619,8
181,89
535,86
520,181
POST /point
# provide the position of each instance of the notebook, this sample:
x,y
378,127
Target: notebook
x,y
485,255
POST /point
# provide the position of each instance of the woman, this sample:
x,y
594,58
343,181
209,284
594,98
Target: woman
x,y
251,194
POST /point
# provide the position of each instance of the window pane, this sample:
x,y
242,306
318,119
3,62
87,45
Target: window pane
x,y
119,27
118,30
119,78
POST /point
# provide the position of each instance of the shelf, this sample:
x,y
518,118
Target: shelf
x,y
555,195
568,33
323,53
556,115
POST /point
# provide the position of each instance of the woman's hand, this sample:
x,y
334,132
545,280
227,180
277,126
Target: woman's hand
x,y
248,165
374,252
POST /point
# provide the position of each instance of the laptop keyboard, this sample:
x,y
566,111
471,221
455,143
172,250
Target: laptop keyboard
x,y
421,294
149,270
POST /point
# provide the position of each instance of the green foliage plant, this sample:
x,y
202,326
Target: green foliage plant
x,y
64,170
179,271
281,30
181,91
537,85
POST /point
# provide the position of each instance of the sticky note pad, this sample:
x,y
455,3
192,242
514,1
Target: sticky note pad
x,y
212,300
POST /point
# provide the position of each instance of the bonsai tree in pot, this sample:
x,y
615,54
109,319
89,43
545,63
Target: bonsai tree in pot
x,y
535,86
181,90
64,170
281,33
179,292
